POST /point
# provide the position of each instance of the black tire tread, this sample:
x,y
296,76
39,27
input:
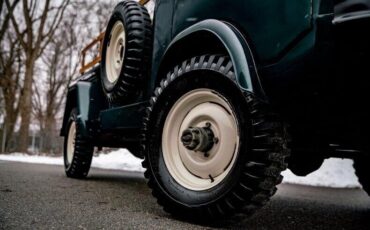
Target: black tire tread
x,y
362,172
137,60
82,157
261,173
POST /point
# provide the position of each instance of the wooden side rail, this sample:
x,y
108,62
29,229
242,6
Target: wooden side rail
x,y
98,39
143,2
97,59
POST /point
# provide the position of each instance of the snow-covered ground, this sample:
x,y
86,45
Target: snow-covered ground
x,y
333,173
120,159
336,173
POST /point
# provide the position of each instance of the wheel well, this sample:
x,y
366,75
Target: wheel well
x,y
71,103
197,44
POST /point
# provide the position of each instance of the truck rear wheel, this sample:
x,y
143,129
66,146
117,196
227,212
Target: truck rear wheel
x,y
78,151
126,51
210,149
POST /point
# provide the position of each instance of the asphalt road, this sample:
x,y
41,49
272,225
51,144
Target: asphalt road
x,y
41,197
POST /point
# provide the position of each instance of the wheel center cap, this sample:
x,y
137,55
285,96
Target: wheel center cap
x,y
198,139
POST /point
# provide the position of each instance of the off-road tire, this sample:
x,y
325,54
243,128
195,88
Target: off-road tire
x,y
83,151
137,52
135,150
361,165
262,151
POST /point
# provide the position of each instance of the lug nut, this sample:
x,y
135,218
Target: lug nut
x,y
215,140
186,138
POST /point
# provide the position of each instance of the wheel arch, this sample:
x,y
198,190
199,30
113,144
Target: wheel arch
x,y
88,99
214,36
71,103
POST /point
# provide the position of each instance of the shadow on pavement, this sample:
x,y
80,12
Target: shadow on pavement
x,y
293,207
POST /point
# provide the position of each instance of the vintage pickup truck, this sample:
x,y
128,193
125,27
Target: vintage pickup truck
x,y
219,97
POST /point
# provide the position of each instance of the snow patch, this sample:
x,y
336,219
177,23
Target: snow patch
x,y
334,172
21,157
337,173
120,159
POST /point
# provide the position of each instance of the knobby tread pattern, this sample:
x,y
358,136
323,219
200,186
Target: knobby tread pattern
x,y
82,156
362,172
137,60
261,173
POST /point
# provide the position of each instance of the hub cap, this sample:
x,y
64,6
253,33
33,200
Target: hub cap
x,y
115,52
71,142
200,139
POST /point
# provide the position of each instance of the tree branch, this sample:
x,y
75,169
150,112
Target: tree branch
x,y
5,24
15,24
54,25
28,21
42,24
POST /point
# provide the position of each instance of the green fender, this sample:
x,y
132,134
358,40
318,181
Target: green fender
x,y
88,99
236,46
78,97
83,104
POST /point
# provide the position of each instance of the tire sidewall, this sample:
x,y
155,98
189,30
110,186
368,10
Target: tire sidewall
x,y
72,118
231,92
117,16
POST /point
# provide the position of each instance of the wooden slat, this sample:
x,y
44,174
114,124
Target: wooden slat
x,y
90,64
143,2
91,44
97,59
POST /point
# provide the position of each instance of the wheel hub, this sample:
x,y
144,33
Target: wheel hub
x,y
198,139
115,52
191,148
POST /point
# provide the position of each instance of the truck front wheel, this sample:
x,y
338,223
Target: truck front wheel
x,y
78,151
210,148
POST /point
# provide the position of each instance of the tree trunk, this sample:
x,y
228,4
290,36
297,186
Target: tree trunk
x,y
9,123
26,106
9,85
49,134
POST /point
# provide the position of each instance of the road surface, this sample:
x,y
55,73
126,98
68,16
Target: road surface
x,y
34,196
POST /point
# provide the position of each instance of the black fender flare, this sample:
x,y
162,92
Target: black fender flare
x,y
233,42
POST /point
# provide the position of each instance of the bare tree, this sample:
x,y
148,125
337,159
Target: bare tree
x,y
40,24
10,72
30,29
60,60
9,82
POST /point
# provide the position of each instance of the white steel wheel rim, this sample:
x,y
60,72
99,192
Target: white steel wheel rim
x,y
193,169
71,142
115,52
